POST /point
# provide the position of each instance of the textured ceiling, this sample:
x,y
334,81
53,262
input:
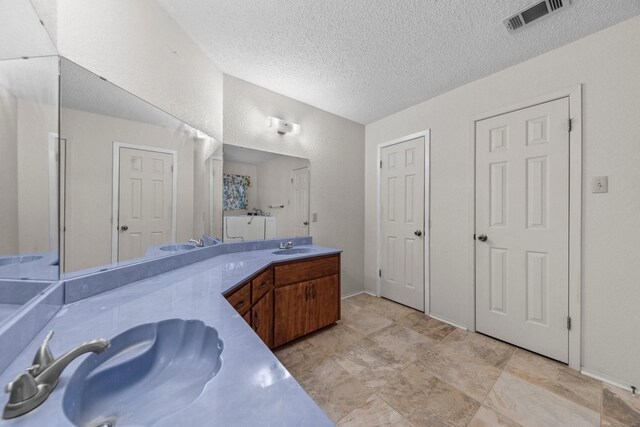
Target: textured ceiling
x,y
21,33
366,59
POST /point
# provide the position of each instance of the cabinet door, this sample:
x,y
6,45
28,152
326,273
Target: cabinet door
x,y
324,302
262,319
291,312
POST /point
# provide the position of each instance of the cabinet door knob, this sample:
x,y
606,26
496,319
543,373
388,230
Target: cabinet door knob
x,y
124,228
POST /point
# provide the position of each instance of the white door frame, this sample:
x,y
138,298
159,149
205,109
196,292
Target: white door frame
x,y
427,218
115,201
575,208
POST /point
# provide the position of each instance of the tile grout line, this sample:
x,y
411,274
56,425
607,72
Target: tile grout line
x,y
493,386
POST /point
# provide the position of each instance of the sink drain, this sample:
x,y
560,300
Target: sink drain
x,y
106,424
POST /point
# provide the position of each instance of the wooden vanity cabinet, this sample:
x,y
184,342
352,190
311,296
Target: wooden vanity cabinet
x,y
303,306
262,318
254,301
291,299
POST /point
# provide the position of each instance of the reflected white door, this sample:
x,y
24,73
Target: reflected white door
x,y
402,222
145,201
522,207
301,201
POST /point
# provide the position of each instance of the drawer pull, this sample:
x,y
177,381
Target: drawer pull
x,y
313,286
306,293
264,285
239,305
256,321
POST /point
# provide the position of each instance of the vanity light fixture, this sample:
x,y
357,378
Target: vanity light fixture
x,y
283,127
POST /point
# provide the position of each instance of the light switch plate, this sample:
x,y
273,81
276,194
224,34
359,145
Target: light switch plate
x,y
600,184
314,217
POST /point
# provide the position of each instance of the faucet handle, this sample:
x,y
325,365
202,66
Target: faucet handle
x,y
43,357
22,388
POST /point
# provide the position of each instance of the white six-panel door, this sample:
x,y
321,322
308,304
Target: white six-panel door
x,y
145,202
522,208
301,201
402,222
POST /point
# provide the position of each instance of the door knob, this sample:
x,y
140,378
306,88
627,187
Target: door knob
x,y
482,237
418,233
124,228
306,223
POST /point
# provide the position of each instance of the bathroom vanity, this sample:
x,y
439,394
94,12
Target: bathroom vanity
x,y
254,297
306,298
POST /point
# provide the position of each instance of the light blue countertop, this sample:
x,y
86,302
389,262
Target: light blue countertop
x,y
252,387
33,266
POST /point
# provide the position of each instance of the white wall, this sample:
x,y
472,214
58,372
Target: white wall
x,y
8,173
35,122
89,173
136,45
608,65
333,145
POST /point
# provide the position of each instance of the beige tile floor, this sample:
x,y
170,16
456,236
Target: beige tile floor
x,y
385,364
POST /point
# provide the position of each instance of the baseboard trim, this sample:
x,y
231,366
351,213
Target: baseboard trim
x,y
353,294
450,322
605,379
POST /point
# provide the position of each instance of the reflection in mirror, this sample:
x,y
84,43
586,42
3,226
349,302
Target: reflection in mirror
x,y
213,194
28,168
265,195
21,32
132,176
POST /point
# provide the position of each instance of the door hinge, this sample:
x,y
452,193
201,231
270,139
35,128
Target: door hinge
x,y
380,164
568,322
379,273
569,125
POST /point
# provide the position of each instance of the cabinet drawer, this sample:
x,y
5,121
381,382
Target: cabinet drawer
x,y
261,285
301,271
241,299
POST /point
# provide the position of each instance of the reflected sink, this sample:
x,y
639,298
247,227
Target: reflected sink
x,y
19,259
148,372
177,248
293,251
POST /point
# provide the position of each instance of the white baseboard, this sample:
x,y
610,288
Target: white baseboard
x,y
353,294
605,379
450,322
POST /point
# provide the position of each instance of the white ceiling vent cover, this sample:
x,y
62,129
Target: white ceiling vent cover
x,y
533,12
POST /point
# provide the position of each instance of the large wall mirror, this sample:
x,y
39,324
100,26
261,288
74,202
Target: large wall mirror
x,y
264,195
133,177
28,157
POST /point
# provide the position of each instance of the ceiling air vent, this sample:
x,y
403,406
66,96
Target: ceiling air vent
x,y
533,12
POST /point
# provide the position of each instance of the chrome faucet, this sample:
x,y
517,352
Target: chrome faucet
x,y
32,388
199,243
287,245
258,212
